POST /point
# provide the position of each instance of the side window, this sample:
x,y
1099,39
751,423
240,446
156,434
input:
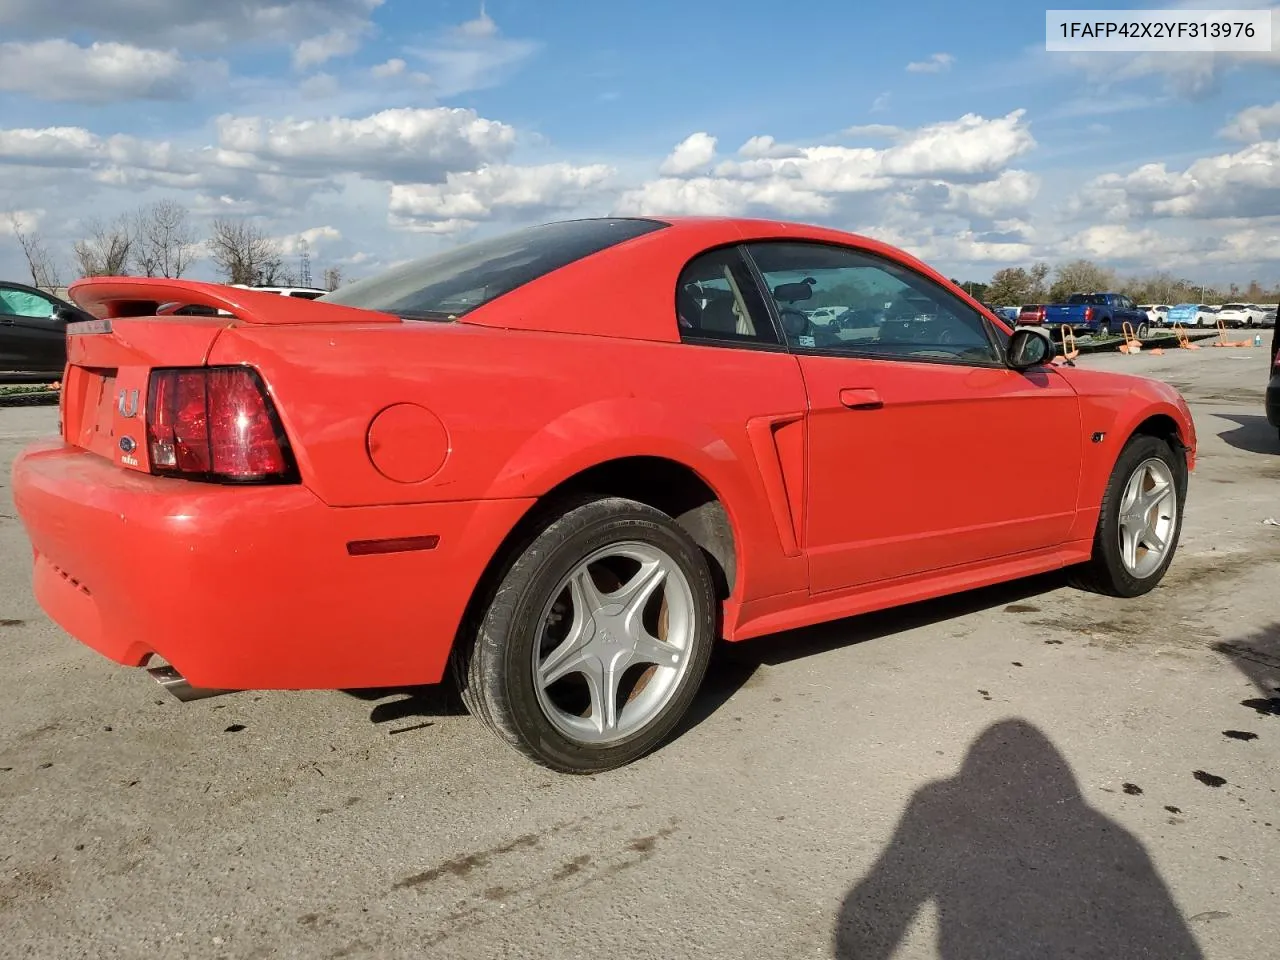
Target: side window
x,y
835,299
717,301
19,303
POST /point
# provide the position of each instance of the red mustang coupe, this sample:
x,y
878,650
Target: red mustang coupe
x,y
563,462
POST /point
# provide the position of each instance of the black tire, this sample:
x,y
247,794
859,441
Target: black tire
x,y
1105,572
494,667
1143,331
1104,331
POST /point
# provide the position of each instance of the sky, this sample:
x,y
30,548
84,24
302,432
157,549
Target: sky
x,y
382,130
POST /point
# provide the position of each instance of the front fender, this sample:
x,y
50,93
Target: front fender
x,y
1113,407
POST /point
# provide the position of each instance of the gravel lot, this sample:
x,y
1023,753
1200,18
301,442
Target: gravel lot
x,y
1021,771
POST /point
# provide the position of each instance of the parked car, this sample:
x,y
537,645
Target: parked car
x,y
1031,314
1272,404
1240,315
1157,314
1194,315
566,506
827,315
303,293
33,327
1101,314
1268,315
1009,314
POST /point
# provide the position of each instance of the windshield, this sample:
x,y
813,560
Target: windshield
x,y
450,284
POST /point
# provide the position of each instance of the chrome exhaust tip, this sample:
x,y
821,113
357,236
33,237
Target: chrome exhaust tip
x,y
176,684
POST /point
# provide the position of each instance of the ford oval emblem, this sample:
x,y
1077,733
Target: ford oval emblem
x,y
128,444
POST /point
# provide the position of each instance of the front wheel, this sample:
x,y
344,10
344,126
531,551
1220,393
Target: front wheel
x,y
595,640
1140,520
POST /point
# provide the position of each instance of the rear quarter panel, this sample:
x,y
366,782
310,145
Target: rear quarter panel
x,y
524,411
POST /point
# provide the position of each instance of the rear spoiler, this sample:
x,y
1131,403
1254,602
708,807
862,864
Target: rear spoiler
x,y
107,297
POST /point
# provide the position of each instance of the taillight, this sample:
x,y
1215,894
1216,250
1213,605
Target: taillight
x,y
1088,314
215,423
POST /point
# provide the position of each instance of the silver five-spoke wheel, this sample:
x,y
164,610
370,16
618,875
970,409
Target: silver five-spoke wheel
x,y
1148,514
614,643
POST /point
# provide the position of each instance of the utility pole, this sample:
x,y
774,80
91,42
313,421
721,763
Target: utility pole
x,y
304,254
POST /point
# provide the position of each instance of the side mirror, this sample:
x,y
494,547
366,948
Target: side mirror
x,y
64,314
1029,348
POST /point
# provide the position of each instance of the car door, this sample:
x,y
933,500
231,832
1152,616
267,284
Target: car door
x,y
925,451
32,335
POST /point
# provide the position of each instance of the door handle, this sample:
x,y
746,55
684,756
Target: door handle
x,y
861,398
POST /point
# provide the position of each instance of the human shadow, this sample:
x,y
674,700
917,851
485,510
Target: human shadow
x,y
1253,435
1018,865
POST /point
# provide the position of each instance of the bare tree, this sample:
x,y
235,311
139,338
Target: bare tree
x,y
105,252
164,242
244,254
1081,276
276,274
44,269
332,278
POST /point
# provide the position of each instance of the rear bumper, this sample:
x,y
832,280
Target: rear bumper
x,y
248,587
1273,400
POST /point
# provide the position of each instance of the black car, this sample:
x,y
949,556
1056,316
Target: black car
x,y
1273,388
33,329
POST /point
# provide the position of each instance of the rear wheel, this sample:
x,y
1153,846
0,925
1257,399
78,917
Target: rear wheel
x,y
1140,521
1104,331
596,639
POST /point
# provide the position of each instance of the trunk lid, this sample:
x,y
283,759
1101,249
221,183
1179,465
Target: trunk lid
x,y
104,387
109,360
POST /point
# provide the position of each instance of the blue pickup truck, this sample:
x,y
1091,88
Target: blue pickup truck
x,y
1100,314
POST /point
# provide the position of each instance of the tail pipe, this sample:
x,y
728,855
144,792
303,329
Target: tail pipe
x,y
176,684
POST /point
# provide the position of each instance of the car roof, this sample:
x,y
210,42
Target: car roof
x,y
568,300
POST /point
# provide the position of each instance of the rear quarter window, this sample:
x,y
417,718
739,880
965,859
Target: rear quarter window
x,y
455,282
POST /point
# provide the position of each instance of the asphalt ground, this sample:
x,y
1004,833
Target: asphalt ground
x,y
1024,771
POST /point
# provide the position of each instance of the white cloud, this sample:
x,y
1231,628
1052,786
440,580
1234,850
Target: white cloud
x,y
1253,123
881,103
198,24
1011,193
1242,184
319,50
406,145
708,196
819,181
12,221
100,72
481,27
51,146
473,56
937,63
392,68
467,198
970,145
763,148
691,155
316,239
